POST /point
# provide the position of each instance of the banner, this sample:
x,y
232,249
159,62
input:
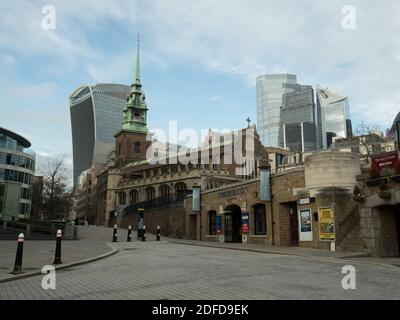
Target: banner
x,y
218,223
245,222
196,199
265,194
326,224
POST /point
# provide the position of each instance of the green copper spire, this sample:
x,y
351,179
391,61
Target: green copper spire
x,y
135,110
137,78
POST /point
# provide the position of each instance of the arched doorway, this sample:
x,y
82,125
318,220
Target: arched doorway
x,y
233,224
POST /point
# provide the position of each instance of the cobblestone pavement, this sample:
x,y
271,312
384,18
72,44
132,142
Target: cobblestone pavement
x,y
39,253
164,270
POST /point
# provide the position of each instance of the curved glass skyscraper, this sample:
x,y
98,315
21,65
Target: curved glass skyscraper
x,y
335,116
96,115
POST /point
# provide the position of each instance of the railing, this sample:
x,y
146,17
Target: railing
x,y
158,202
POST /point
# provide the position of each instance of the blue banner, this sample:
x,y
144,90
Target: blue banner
x,y
196,199
218,223
265,192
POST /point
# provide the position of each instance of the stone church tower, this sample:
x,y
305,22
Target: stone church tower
x,y
131,144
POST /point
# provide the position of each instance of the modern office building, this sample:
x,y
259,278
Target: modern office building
x,y
270,89
395,131
299,132
96,114
17,167
333,116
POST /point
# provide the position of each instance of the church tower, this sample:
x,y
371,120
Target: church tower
x,y
131,144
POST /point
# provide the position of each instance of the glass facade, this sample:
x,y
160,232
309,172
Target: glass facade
x,y
335,116
299,131
96,116
17,167
270,89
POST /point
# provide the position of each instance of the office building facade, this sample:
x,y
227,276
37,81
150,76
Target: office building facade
x,y
270,90
96,114
333,116
17,168
299,132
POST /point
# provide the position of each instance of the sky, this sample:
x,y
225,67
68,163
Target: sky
x,y
199,59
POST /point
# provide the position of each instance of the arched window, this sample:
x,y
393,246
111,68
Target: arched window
x,y
260,221
165,190
150,193
136,147
133,196
122,198
180,190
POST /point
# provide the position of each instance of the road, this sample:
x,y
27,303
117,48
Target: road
x,y
164,270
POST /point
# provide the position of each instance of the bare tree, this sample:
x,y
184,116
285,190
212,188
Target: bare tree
x,y
57,193
363,132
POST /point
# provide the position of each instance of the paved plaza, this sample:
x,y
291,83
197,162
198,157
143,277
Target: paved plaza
x,y
166,270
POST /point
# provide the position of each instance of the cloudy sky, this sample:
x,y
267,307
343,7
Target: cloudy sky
x,y
199,58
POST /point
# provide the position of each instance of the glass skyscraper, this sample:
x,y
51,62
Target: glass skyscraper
x,y
299,132
334,116
270,89
96,115
17,167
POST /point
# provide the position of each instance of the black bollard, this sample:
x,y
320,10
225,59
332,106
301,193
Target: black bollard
x,y
115,234
18,256
144,233
57,256
129,239
158,233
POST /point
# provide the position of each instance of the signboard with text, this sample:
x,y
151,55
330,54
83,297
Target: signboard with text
x,y
326,224
385,162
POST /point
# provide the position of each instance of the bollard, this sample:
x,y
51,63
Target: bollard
x,y
158,233
57,256
129,239
144,233
115,234
18,257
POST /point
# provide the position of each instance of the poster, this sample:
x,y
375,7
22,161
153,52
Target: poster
x,y
305,224
326,224
265,194
305,220
245,222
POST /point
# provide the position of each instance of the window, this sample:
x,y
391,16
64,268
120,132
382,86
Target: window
x,y
259,220
134,196
25,193
212,217
136,147
150,193
122,198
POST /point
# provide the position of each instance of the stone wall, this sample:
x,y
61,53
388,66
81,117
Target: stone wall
x,y
171,219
